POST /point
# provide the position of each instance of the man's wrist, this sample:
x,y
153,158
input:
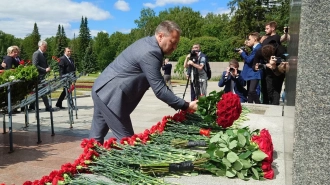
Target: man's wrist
x,y
185,106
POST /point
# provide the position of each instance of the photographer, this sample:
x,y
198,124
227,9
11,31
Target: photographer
x,y
167,68
273,68
233,81
249,74
195,63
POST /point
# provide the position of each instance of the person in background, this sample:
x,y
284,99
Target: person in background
x,y
9,60
196,64
249,74
66,65
40,61
233,81
167,68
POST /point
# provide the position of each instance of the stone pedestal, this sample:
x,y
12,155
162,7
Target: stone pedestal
x,y
311,148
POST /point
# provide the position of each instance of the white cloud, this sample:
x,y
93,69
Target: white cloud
x,y
222,10
122,5
18,17
165,2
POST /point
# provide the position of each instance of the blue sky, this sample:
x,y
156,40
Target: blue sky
x,y
103,15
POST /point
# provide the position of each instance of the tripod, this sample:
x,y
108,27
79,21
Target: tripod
x,y
195,82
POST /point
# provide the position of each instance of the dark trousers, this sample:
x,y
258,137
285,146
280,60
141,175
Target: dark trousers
x,y
192,92
252,91
273,88
44,99
61,98
104,118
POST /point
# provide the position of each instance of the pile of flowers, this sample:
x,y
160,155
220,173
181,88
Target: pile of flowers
x,y
164,149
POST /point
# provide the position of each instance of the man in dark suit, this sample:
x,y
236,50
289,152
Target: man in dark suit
x,y
66,65
121,86
233,81
40,61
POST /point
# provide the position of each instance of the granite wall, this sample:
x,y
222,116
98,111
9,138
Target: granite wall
x,y
311,158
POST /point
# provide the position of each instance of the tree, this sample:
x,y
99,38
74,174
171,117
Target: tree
x,y
61,42
102,50
84,39
88,64
147,22
30,42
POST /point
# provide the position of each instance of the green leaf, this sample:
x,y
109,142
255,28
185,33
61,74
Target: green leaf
x,y
222,145
224,149
205,155
240,175
238,165
241,140
219,153
232,144
255,174
245,155
224,137
246,164
221,173
226,162
216,138
258,155
230,132
232,157
230,173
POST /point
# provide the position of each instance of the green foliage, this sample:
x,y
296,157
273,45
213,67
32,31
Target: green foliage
x,y
28,74
218,34
89,59
179,69
84,39
209,45
183,48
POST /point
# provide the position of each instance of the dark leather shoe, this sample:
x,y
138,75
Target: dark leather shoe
x,y
60,107
48,109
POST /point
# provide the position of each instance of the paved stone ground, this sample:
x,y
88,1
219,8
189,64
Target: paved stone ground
x,y
31,161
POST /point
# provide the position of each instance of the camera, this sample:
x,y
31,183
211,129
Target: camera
x,y
237,49
231,70
277,59
286,29
193,55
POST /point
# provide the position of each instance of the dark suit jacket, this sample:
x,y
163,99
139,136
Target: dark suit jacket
x,y
239,84
123,83
10,62
40,61
65,66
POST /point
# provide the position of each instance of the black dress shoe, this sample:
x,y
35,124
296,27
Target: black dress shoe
x,y
60,107
48,109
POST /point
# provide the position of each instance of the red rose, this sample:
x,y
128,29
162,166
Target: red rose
x,y
269,174
25,183
266,166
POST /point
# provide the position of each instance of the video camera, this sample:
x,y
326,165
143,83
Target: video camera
x,y
237,49
193,55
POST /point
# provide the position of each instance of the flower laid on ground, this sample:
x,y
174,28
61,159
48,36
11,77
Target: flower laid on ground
x,y
265,143
162,149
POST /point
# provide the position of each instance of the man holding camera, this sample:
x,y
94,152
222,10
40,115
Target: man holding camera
x,y
195,63
233,81
249,74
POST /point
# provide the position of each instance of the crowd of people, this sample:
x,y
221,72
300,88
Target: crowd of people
x,y
39,59
264,68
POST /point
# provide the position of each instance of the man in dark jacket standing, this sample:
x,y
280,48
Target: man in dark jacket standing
x,y
66,65
40,61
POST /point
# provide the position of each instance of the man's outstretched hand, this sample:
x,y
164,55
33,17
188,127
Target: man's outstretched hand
x,y
193,105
